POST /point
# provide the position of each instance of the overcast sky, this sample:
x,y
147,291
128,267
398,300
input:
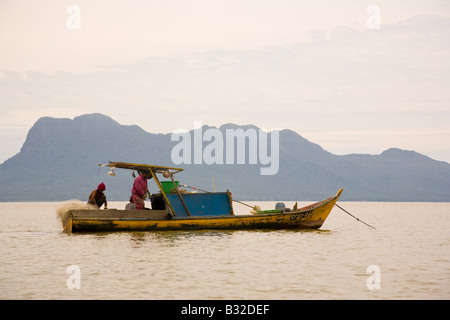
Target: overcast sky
x,y
353,76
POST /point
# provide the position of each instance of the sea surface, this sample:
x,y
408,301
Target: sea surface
x,y
407,256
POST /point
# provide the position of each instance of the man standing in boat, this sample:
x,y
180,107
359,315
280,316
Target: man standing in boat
x,y
97,197
140,189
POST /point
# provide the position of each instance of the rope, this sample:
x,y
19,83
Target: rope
x,y
353,216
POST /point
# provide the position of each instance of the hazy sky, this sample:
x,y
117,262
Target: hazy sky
x,y
311,66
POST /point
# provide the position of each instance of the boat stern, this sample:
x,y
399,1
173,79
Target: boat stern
x,y
66,221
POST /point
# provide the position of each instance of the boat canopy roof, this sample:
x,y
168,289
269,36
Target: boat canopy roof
x,y
137,166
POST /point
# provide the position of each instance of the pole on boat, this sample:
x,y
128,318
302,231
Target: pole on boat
x,y
179,193
155,178
353,216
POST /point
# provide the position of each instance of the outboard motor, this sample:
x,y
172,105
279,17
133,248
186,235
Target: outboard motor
x,y
280,206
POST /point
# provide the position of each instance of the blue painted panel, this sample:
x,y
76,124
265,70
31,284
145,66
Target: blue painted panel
x,y
201,204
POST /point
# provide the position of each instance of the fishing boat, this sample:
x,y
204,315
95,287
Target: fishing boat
x,y
174,208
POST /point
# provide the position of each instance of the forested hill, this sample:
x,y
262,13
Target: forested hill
x,y
59,161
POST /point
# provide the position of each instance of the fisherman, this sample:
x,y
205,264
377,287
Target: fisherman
x,y
140,189
97,197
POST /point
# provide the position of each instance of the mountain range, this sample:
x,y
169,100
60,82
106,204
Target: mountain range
x,y
60,157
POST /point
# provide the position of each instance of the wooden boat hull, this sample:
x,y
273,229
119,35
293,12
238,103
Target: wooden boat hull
x,y
312,216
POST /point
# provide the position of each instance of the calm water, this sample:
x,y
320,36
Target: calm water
x,y
409,248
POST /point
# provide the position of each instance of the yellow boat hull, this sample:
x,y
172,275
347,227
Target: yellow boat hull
x,y
312,216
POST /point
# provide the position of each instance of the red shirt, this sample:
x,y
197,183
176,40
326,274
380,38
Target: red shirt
x,y
140,186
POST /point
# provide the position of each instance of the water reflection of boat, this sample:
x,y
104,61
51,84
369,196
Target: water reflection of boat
x,y
175,209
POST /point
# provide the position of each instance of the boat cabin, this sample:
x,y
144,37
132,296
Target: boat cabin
x,y
177,202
